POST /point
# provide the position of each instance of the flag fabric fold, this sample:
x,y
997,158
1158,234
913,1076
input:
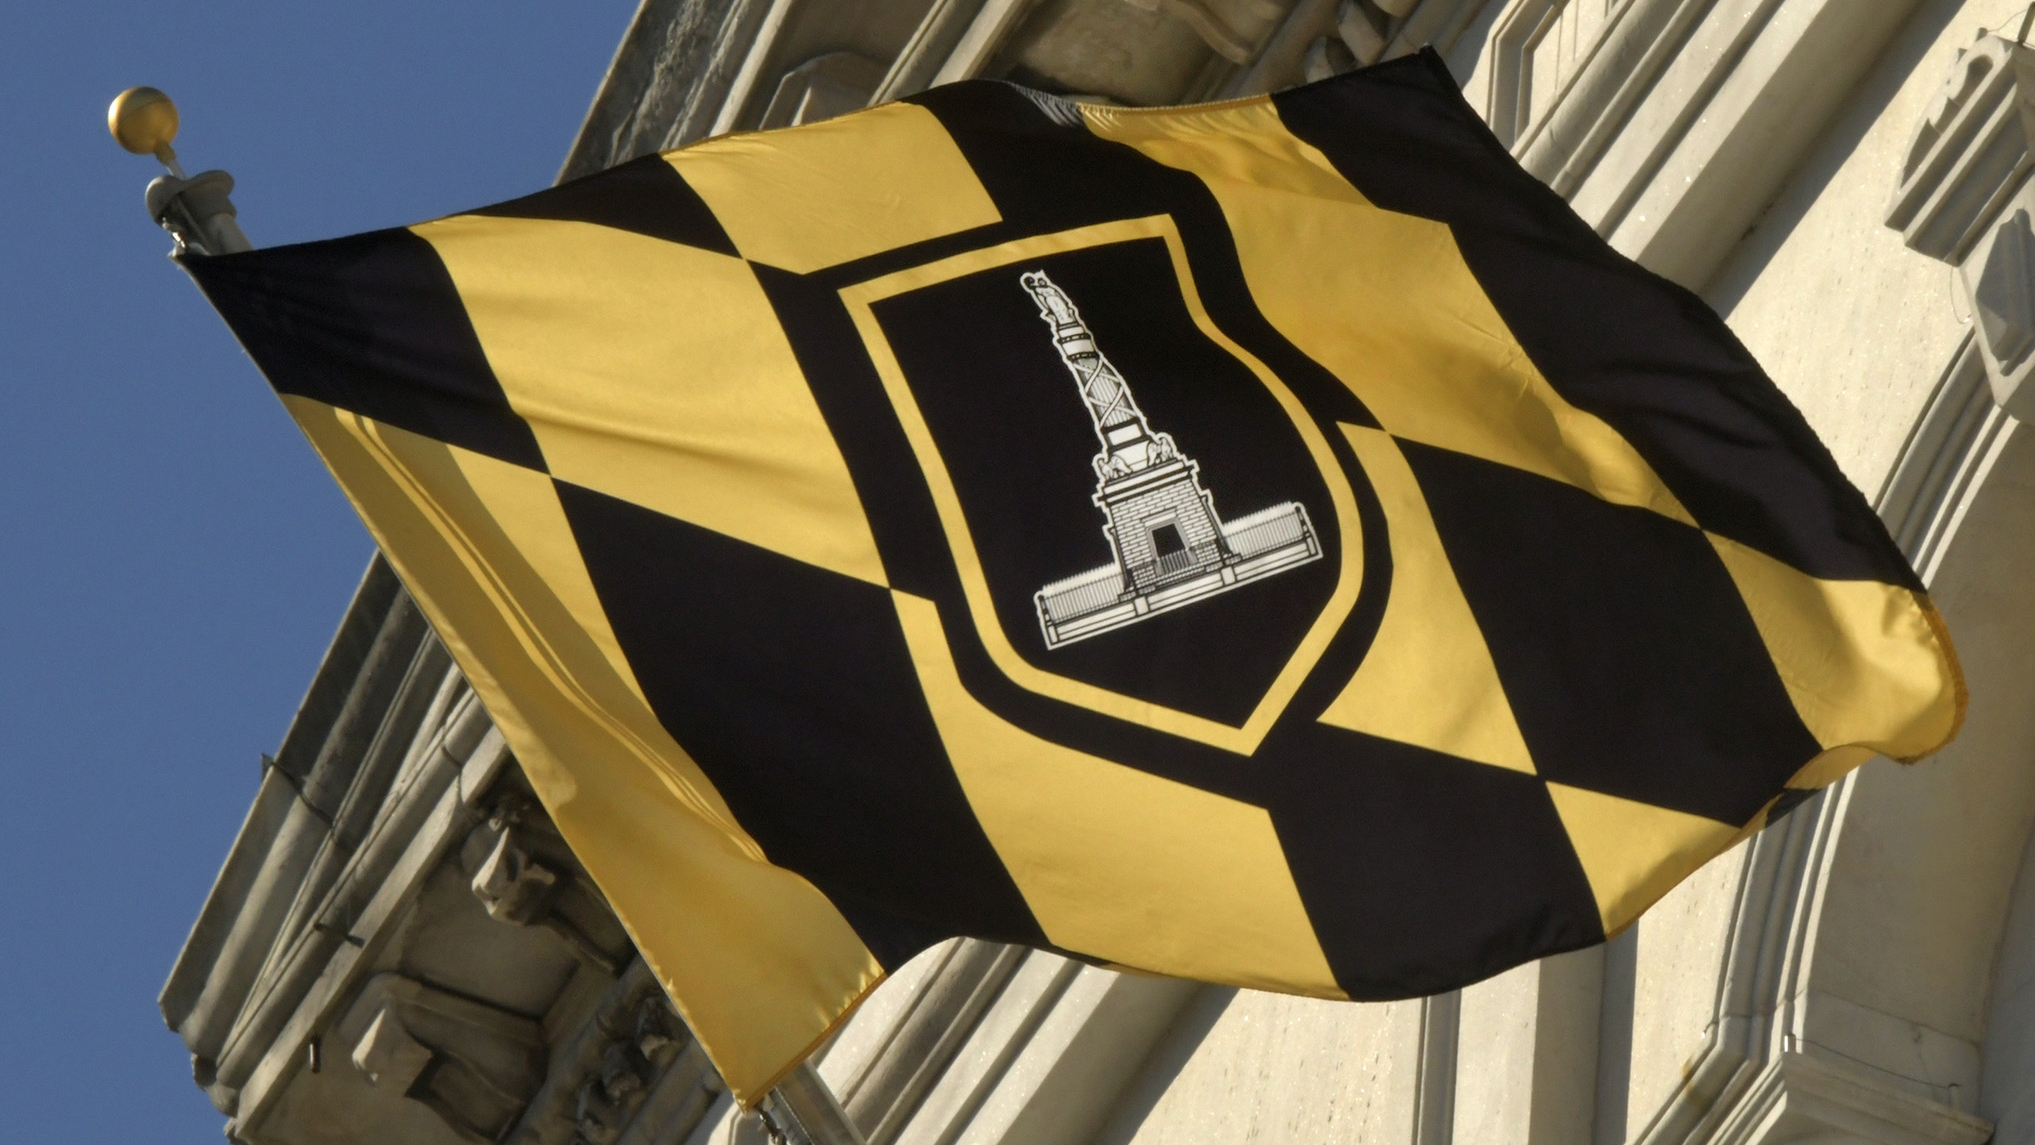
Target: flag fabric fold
x,y
1275,543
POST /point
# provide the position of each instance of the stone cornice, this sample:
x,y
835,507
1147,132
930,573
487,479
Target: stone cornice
x,y
1761,1072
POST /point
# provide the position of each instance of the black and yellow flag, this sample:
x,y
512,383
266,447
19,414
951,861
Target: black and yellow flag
x,y
1274,543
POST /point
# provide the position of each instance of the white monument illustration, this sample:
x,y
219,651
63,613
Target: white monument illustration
x,y
1171,547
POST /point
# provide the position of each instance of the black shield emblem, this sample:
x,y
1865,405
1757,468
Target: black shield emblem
x,y
1153,526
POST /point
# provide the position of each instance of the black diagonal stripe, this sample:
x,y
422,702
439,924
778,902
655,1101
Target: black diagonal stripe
x,y
793,689
372,324
647,196
1422,872
1625,649
1615,339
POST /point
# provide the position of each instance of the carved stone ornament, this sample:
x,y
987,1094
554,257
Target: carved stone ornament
x,y
1999,283
513,886
1965,199
474,1065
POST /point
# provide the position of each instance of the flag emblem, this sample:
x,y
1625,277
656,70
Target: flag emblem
x,y
976,366
1171,547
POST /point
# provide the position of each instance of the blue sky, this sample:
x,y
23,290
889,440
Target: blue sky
x,y
173,559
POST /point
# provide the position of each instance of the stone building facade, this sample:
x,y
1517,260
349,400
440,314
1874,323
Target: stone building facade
x,y
399,949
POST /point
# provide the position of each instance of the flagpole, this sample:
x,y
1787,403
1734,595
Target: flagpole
x,y
803,1110
197,211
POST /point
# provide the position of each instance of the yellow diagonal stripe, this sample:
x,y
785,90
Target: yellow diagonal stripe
x,y
1410,332
1116,863
831,192
658,373
767,962
1428,678
1864,662
1633,853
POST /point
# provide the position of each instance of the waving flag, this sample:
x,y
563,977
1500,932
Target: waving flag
x,y
1275,543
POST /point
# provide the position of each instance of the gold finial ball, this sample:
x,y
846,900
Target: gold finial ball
x,y
143,120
